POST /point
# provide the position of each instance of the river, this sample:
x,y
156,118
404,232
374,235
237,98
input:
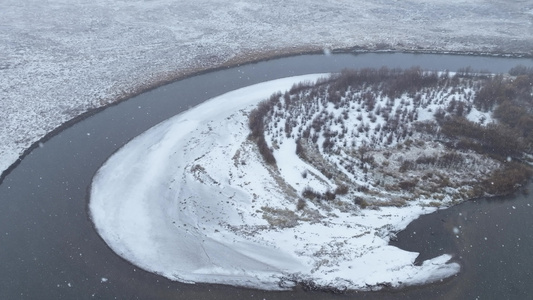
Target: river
x,y
50,250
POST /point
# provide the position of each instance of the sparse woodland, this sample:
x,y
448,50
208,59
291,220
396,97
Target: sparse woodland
x,y
388,136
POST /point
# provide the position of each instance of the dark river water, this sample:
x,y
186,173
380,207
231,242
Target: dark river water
x,y
50,250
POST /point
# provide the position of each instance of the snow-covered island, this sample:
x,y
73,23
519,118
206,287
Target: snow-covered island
x,y
308,186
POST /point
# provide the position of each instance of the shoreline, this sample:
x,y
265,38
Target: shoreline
x,y
245,59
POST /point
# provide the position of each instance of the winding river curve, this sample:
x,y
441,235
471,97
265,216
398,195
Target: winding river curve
x,y
50,250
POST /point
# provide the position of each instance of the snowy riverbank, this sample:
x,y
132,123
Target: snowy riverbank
x,y
59,59
189,199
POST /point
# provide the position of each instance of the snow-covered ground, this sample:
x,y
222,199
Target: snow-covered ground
x,y
192,200
61,58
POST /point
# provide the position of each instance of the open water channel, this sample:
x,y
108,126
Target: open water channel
x,y
50,250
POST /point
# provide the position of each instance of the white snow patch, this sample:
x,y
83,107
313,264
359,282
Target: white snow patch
x,y
478,116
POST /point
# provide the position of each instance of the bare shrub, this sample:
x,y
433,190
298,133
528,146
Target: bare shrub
x,y
396,202
361,202
265,151
329,195
495,139
341,189
407,185
407,165
310,194
300,150
301,204
282,218
521,70
507,180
